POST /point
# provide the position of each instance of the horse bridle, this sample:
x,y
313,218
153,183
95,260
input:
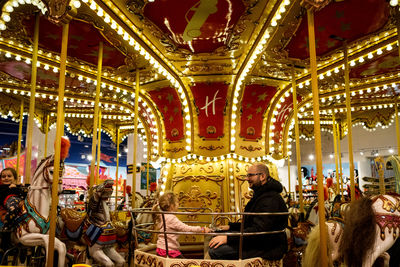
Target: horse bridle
x,y
46,176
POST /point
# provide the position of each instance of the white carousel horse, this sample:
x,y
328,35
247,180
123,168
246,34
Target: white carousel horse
x,y
371,227
33,224
95,228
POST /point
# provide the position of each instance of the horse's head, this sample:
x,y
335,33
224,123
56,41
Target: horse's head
x,y
104,190
43,176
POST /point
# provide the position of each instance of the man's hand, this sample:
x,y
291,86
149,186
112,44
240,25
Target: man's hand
x,y
218,241
224,227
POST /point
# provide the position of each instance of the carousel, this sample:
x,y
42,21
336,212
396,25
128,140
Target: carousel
x,y
209,88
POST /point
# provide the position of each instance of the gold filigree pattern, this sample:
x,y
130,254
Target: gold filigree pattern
x,y
250,148
215,178
185,169
388,205
211,147
208,169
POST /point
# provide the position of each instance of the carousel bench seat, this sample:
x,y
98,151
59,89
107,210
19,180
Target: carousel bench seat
x,y
146,256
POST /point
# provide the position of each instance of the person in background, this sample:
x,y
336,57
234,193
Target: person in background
x,y
266,198
169,202
10,195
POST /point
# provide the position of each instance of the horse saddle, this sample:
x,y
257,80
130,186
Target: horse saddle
x,y
73,219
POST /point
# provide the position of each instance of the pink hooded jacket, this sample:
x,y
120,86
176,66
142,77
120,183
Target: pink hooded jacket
x,y
173,225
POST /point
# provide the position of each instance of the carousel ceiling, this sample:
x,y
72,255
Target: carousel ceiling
x,y
215,76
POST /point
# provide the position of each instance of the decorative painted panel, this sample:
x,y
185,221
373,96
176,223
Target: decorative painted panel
x,y
256,99
167,101
210,102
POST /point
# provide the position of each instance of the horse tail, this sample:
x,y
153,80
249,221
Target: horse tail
x,y
312,254
359,232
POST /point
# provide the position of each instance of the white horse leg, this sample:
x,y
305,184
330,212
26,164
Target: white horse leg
x,y
36,239
114,255
62,252
97,253
379,247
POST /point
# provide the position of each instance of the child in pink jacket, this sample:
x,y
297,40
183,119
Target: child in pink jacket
x,y
169,202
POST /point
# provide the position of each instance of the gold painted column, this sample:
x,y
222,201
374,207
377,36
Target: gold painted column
x,y
148,164
46,135
96,117
135,134
338,131
60,130
116,171
317,135
336,152
349,120
29,128
396,116
98,150
21,122
288,163
297,136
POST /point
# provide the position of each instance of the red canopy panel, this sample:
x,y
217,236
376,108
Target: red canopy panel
x,y
350,20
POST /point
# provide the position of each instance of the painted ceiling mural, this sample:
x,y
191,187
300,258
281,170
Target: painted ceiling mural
x,y
198,26
348,20
83,41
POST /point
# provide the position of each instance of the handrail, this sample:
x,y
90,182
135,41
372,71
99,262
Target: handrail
x,y
241,234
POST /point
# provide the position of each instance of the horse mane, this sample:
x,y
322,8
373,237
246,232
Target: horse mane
x,y
312,254
360,223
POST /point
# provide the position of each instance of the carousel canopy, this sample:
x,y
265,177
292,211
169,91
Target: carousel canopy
x,y
215,77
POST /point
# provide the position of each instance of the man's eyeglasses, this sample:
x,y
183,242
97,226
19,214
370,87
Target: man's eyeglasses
x,y
253,174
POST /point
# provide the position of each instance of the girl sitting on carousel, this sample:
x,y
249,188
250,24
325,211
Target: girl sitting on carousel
x,y
169,202
10,196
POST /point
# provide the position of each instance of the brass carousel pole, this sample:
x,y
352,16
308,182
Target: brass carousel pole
x,y
98,150
21,121
135,135
396,112
288,172
96,117
338,131
336,152
395,102
349,121
59,132
46,135
116,171
297,136
148,165
317,135
29,128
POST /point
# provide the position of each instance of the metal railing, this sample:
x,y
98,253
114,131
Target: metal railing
x,y
137,227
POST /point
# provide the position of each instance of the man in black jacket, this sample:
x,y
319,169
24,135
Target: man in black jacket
x,y
266,198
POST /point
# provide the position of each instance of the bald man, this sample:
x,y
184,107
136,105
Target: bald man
x,y
266,198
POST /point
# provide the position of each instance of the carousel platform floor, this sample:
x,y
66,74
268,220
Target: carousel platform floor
x,y
146,256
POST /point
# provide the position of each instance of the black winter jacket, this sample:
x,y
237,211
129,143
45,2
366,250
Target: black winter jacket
x,y
267,198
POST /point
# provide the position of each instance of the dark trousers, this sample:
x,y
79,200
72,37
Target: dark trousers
x,y
224,252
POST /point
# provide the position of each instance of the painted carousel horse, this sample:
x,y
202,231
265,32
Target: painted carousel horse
x,y
312,214
370,228
95,228
32,224
145,218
